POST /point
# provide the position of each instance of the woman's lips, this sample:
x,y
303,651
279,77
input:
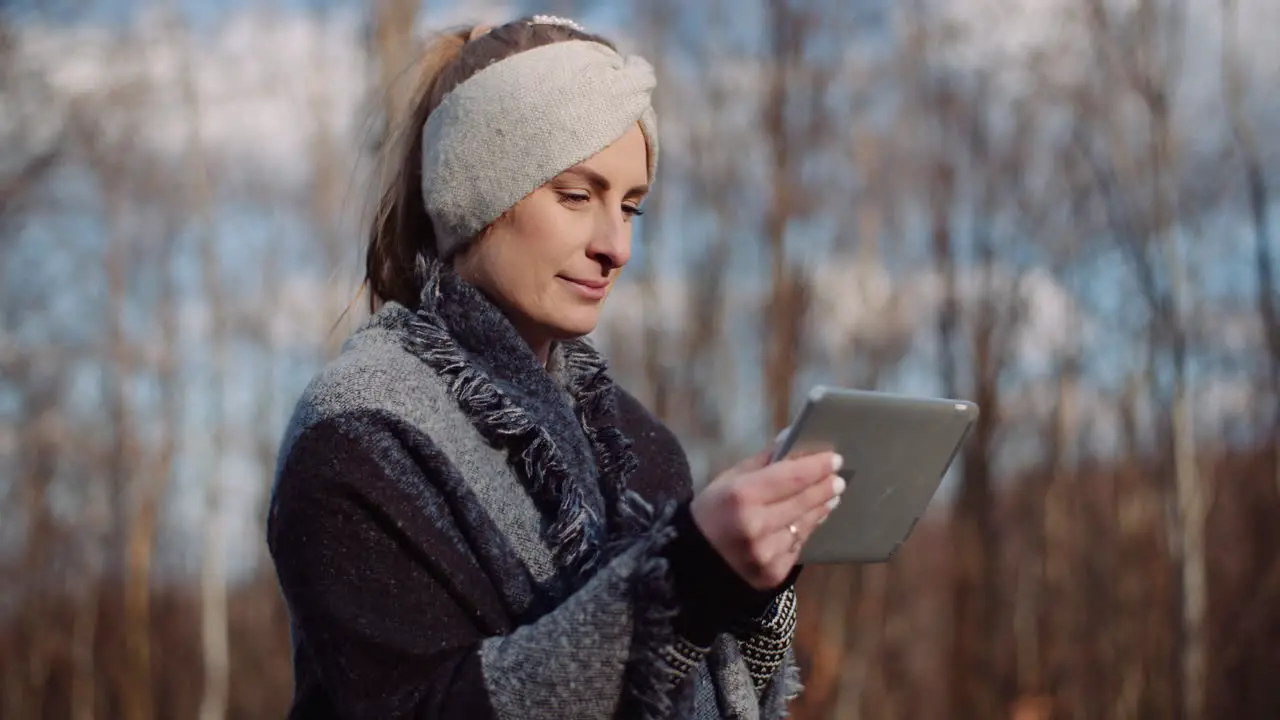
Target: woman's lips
x,y
589,289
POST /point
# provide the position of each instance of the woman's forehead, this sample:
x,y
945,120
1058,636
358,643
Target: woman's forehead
x,y
624,163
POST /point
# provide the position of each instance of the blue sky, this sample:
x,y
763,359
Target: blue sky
x,y
207,13
263,136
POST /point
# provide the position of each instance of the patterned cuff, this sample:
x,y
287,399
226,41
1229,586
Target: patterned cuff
x,y
766,641
682,658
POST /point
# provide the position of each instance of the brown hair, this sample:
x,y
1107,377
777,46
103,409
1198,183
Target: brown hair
x,y
401,228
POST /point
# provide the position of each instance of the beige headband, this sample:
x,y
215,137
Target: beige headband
x,y
511,127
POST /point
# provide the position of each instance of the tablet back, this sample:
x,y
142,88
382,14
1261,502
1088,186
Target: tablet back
x,y
896,450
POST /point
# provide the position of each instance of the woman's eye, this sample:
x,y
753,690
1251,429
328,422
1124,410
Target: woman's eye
x,y
573,198
632,210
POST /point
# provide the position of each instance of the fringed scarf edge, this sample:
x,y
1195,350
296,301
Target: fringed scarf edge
x,y
577,536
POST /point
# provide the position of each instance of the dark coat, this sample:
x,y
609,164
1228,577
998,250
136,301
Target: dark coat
x,y
460,532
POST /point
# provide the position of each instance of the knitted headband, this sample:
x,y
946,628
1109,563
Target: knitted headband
x,y
516,124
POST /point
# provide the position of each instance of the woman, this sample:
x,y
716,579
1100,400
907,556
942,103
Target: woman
x,y
470,520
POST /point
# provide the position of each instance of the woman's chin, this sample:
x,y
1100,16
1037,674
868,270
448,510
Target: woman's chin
x,y
576,323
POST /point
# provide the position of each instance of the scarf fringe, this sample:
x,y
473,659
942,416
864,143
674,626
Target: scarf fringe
x,y
593,389
577,534
791,684
646,682
573,533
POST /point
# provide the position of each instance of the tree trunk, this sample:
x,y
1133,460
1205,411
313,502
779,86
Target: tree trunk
x,y
1268,296
788,297
866,639
393,22
1193,509
825,601
150,486
657,376
974,692
1189,491
1031,612
39,454
125,462
214,629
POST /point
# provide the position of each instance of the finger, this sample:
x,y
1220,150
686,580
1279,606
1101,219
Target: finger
x,y
778,553
823,495
787,478
814,518
751,464
783,546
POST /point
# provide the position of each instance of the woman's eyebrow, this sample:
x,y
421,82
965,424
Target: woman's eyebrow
x,y
600,183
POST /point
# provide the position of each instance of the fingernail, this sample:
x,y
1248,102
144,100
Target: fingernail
x,y
831,505
838,486
837,462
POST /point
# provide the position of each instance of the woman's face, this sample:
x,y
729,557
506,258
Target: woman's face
x,y
551,260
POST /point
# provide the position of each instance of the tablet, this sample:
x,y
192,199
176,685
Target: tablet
x,y
896,449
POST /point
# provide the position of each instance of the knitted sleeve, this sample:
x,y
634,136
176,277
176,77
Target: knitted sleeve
x,y
715,600
767,649
393,618
712,598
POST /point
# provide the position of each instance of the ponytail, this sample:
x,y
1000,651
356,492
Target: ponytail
x,y
401,228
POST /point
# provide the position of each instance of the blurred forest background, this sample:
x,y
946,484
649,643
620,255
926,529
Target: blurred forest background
x,y
1062,209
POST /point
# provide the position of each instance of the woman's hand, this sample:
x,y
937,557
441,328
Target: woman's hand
x,y
758,515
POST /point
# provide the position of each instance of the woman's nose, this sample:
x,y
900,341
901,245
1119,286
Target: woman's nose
x,y
612,243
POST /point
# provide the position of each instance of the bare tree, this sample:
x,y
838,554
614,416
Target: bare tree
x,y
20,180
331,173
656,27
37,468
108,509
794,86
393,48
968,172
213,580
1143,50
34,381
151,483
1259,195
